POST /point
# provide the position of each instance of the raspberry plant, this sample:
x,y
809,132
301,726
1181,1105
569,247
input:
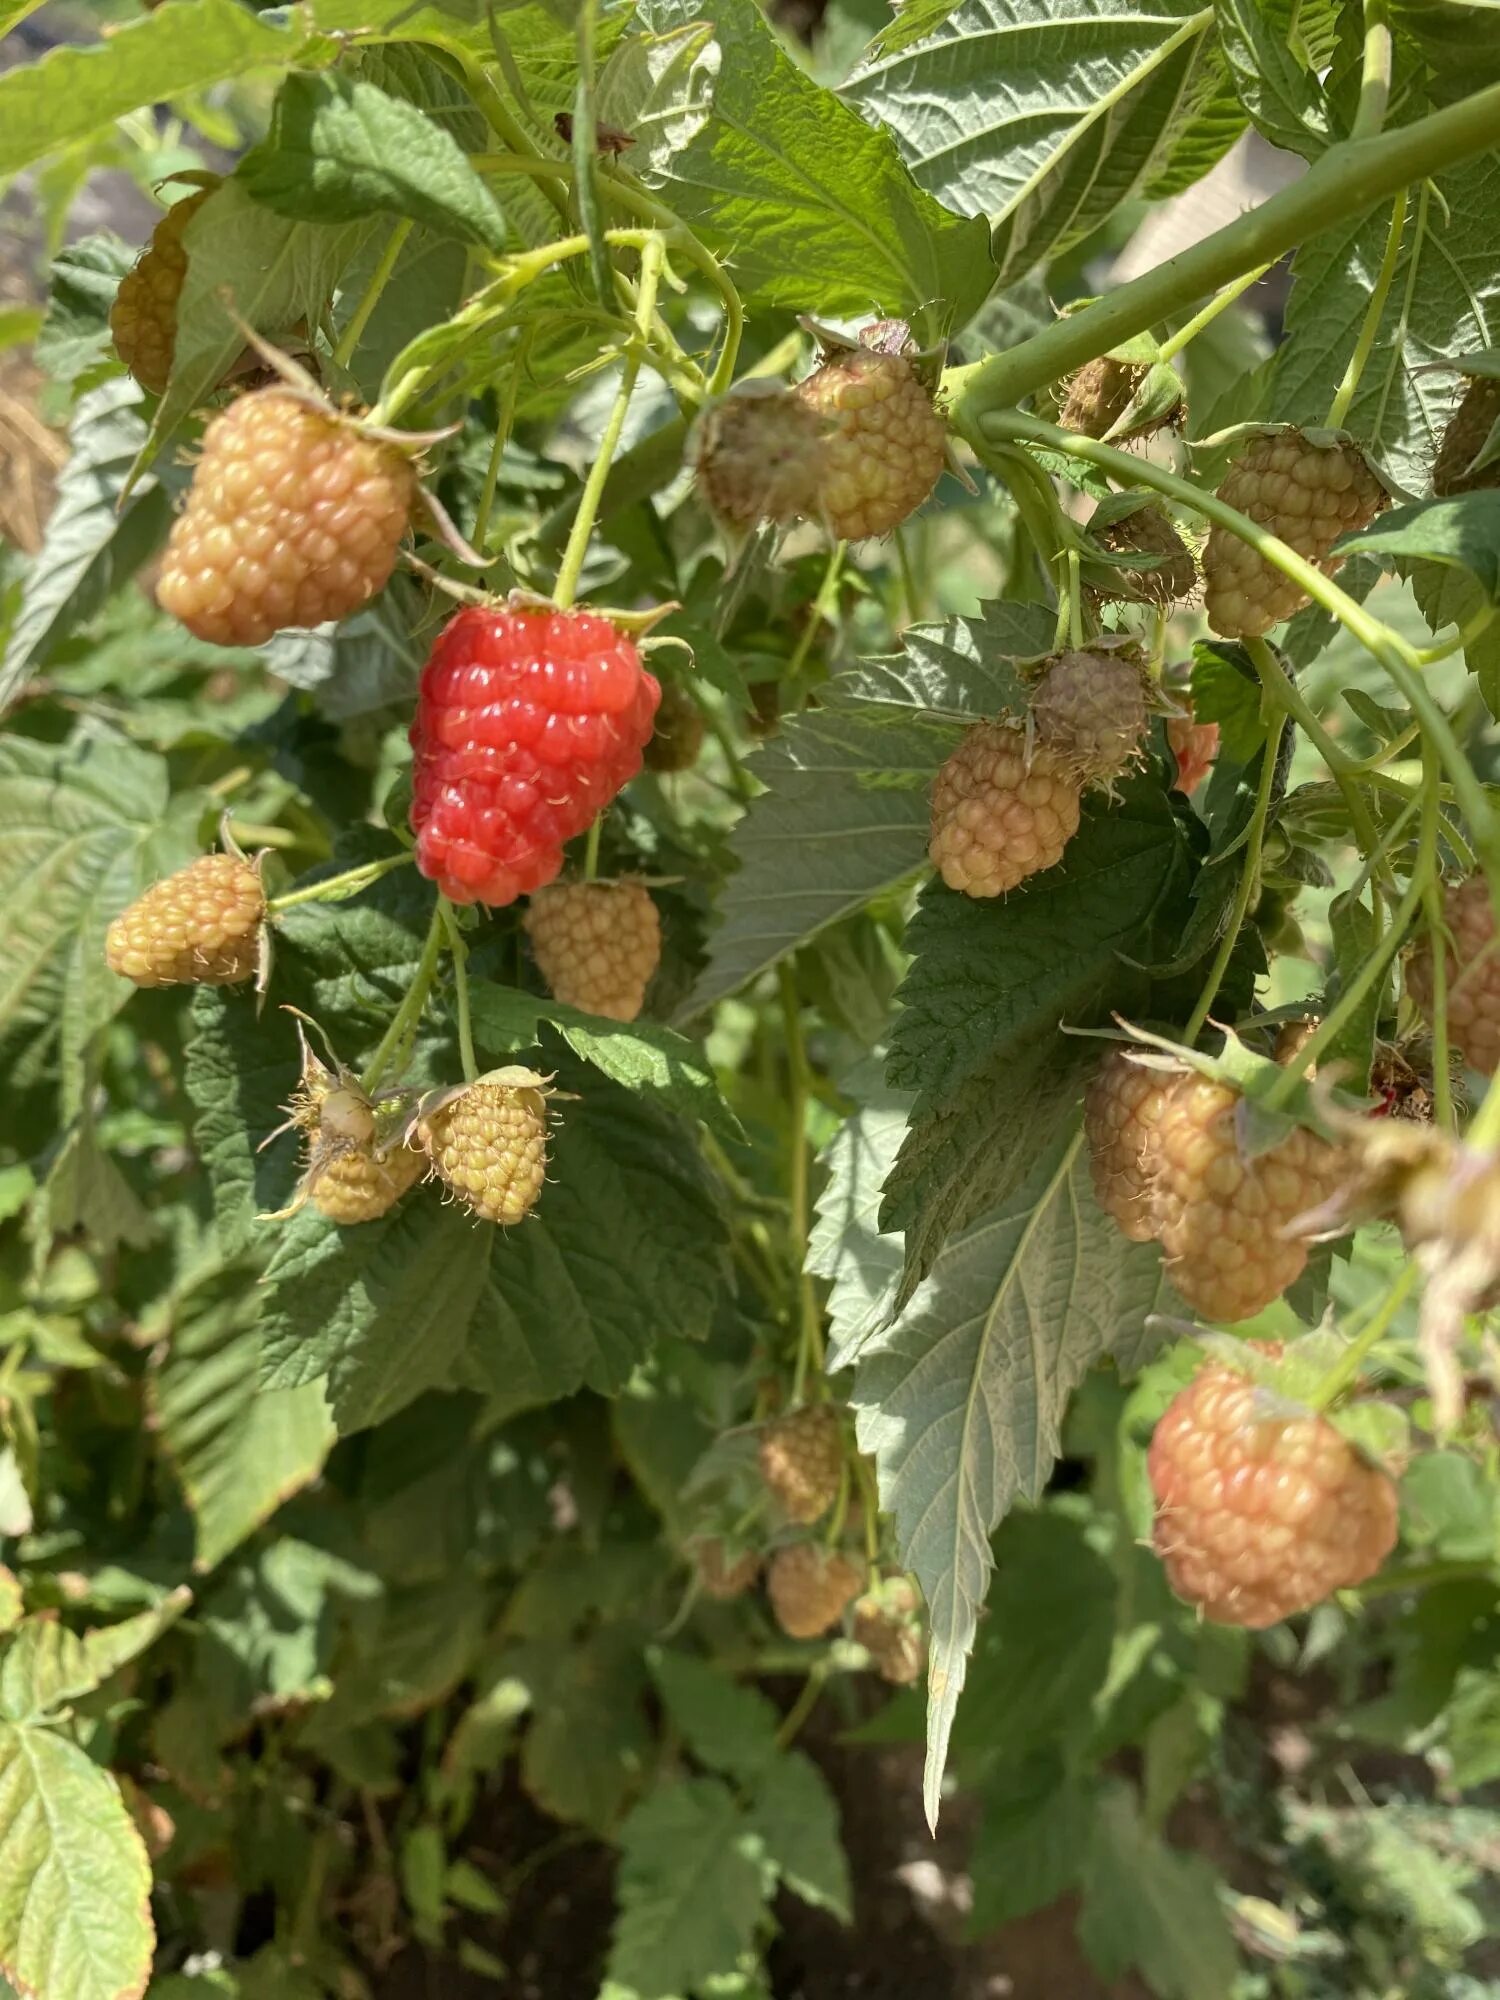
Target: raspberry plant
x,y
749,997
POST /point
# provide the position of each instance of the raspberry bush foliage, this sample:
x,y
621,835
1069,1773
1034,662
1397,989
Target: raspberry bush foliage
x,y
749,997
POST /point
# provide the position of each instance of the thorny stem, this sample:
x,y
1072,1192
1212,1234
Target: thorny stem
x,y
1338,409
1249,882
1173,345
409,1012
350,883
503,428
1375,73
353,333
810,1318
583,521
1345,1371
458,950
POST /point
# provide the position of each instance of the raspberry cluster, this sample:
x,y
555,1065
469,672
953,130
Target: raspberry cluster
x,y
1122,1109
1472,966
597,944
359,1185
528,723
1147,532
887,1624
294,517
1099,394
143,318
999,814
1308,495
1260,1515
199,927
722,1574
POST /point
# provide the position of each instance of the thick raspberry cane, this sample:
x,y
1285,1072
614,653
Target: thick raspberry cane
x,y
528,723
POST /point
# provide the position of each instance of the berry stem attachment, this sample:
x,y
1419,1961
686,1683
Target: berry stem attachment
x,y
1249,881
338,888
1345,1371
1338,409
380,277
568,574
591,851
1174,344
809,1315
409,1013
458,950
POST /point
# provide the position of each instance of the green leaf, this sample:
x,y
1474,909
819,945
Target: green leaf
x,y
1031,1841
1148,1907
584,1753
1044,122
44,1665
75,1884
727,1727
75,337
366,662
1442,300
239,1077
237,1449
1461,532
691,1890
86,825
846,812
961,1399
1274,73
782,178
92,543
847,1245
797,1818
187,45
85,1194
339,149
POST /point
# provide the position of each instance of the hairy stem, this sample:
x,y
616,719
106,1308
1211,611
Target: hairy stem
x,y
1345,1371
1338,409
458,951
1173,346
359,319
409,1013
1249,882
338,887
1375,72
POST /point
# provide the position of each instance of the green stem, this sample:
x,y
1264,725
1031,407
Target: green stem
x,y
497,115
1249,882
1174,344
349,340
1485,1130
502,436
1463,638
1289,697
908,580
1338,409
458,951
1442,1082
339,887
802,1707
583,521
1345,1371
1420,1576
1348,180
821,605
1375,72
591,852
409,1012
810,1318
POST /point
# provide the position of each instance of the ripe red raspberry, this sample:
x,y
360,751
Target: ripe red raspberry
x,y
679,732
723,1574
1473,974
1147,532
199,927
802,1460
810,1588
997,814
1098,395
887,1624
361,1184
488,1142
1221,1215
1466,436
597,944
528,723
1308,495
293,518
1122,1109
1260,1514
1195,745
143,318
1090,712
756,455
883,443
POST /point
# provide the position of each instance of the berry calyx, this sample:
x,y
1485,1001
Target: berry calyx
x,y
1307,494
1195,745
1098,395
1122,1109
882,443
143,318
1261,1514
679,732
801,1460
1089,708
1468,432
1221,1214
294,517
810,1588
1472,965
528,722
199,927
597,944
999,815
1146,531
488,1143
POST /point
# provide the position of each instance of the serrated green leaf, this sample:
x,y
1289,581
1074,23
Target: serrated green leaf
x,y
797,1819
1274,74
588,1744
339,148
784,178
1031,1842
239,1077
1461,532
366,662
75,1884
75,337
184,46
1043,122
728,1727
85,1194
45,1665
847,1245
1145,1905
961,1399
691,1890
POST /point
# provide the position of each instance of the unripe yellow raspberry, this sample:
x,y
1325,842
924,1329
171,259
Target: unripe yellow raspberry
x,y
143,318
489,1143
810,1588
199,927
999,815
1122,1109
597,944
802,1460
883,442
1472,963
